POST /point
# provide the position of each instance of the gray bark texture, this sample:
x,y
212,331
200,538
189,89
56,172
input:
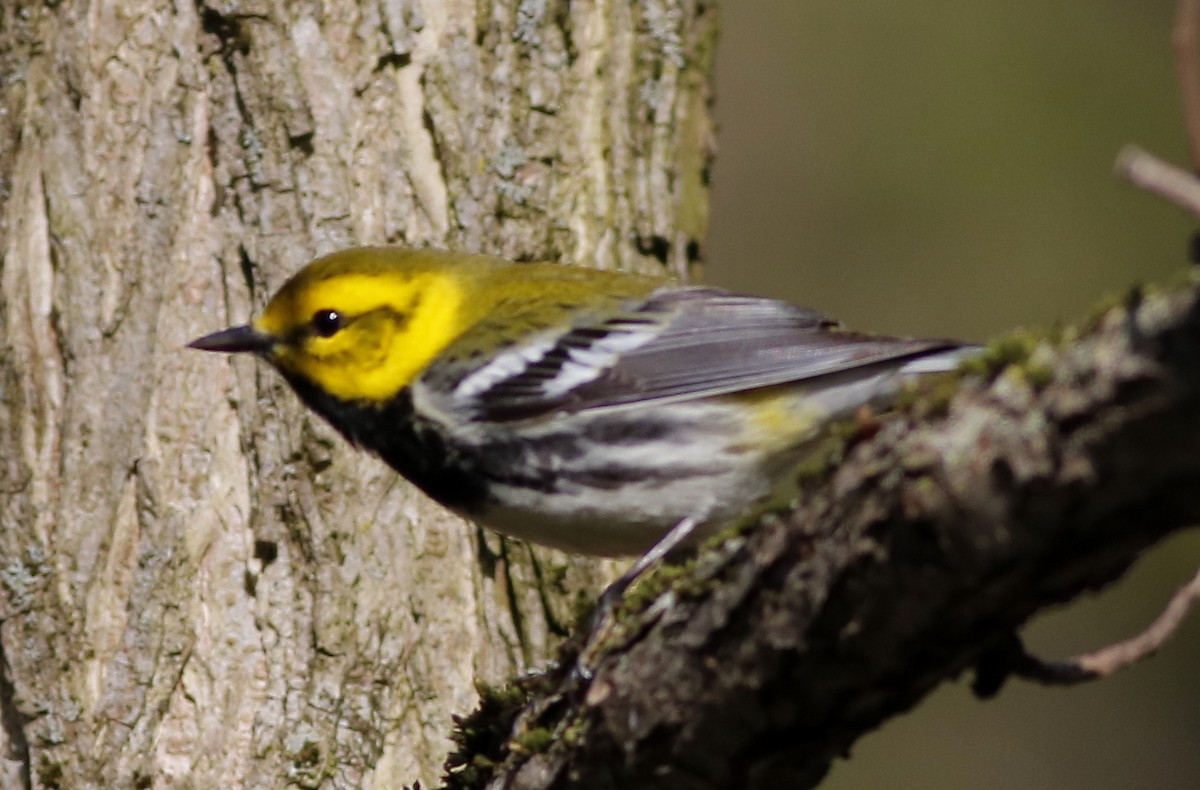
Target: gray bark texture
x,y
200,584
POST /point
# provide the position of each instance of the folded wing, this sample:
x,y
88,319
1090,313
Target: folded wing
x,y
679,343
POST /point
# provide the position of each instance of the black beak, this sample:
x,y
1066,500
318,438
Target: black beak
x,y
235,340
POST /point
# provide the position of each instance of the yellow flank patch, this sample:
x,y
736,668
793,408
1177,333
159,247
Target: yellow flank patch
x,y
781,416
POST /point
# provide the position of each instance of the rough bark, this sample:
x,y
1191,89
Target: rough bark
x,y
915,559
201,584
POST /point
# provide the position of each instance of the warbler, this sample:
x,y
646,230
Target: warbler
x,y
593,411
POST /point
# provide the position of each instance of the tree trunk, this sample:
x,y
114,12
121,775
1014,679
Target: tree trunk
x,y
202,585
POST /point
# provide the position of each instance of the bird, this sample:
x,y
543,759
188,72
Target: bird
x,y
599,412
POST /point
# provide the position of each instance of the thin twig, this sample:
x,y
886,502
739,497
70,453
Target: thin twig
x,y
1147,171
1108,660
1187,67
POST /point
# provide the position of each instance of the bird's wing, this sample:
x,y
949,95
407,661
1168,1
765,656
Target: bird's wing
x,y
678,343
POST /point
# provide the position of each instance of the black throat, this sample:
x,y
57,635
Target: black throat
x,y
414,447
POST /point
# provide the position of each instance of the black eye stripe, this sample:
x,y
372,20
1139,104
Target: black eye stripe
x,y
327,322
401,318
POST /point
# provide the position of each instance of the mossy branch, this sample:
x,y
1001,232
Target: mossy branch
x,y
915,559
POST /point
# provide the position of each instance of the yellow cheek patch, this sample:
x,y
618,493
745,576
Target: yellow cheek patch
x,y
395,326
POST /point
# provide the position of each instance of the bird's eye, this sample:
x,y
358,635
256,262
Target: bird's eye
x,y
326,323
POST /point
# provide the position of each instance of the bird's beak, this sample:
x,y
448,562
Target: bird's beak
x,y
235,340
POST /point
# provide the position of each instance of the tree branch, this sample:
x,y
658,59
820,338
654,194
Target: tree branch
x,y
918,557
1157,176
1187,71
1113,658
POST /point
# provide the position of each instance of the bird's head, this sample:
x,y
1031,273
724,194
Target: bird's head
x,y
360,324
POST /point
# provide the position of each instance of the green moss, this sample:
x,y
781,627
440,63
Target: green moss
x,y
481,739
1096,315
1011,349
575,732
534,741
1038,375
651,584
1132,298
1016,354
929,396
691,578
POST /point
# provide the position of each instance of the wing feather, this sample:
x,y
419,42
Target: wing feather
x,y
679,343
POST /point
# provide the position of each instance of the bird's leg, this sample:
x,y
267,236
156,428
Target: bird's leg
x,y
607,605
676,537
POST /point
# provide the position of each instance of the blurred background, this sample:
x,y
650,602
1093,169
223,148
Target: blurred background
x,y
946,168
